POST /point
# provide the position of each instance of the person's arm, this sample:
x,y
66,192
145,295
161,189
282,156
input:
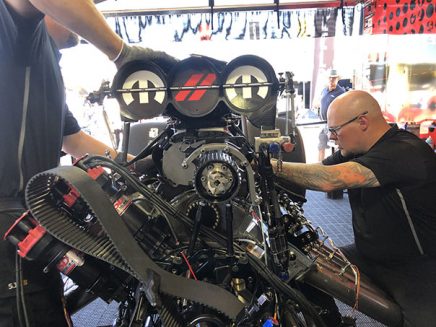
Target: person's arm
x,y
80,16
328,178
81,143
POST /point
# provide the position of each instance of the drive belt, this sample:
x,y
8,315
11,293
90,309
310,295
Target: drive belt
x,y
117,245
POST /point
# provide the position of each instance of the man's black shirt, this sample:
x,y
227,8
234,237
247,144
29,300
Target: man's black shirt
x,y
396,221
33,113
33,120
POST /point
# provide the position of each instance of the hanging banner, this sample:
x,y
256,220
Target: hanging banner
x,y
248,25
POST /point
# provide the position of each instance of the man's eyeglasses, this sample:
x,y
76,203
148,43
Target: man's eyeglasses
x,y
335,130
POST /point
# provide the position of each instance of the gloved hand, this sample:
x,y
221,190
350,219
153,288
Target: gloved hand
x,y
130,53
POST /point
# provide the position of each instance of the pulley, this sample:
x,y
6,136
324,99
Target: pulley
x,y
217,178
211,217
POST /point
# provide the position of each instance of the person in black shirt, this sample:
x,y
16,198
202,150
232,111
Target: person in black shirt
x,y
390,175
35,124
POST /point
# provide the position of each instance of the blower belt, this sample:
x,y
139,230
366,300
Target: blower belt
x,y
116,246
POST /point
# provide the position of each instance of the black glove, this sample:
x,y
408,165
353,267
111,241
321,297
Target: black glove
x,y
131,53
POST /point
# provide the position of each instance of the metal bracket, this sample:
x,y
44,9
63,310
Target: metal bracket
x,y
211,5
277,3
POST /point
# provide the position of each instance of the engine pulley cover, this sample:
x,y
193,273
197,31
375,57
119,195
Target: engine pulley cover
x,y
217,178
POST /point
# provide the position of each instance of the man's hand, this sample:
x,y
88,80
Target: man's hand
x,y
131,53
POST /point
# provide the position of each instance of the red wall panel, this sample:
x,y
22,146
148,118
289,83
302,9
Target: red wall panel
x,y
399,17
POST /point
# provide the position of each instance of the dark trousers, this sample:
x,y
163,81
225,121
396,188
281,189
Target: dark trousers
x,y
44,309
412,285
42,292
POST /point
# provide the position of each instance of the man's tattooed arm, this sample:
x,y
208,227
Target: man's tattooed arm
x,y
328,178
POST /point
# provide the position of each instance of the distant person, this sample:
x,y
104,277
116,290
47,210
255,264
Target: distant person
x,y
328,94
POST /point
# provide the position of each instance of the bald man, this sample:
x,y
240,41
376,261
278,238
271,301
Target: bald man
x,y
390,175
